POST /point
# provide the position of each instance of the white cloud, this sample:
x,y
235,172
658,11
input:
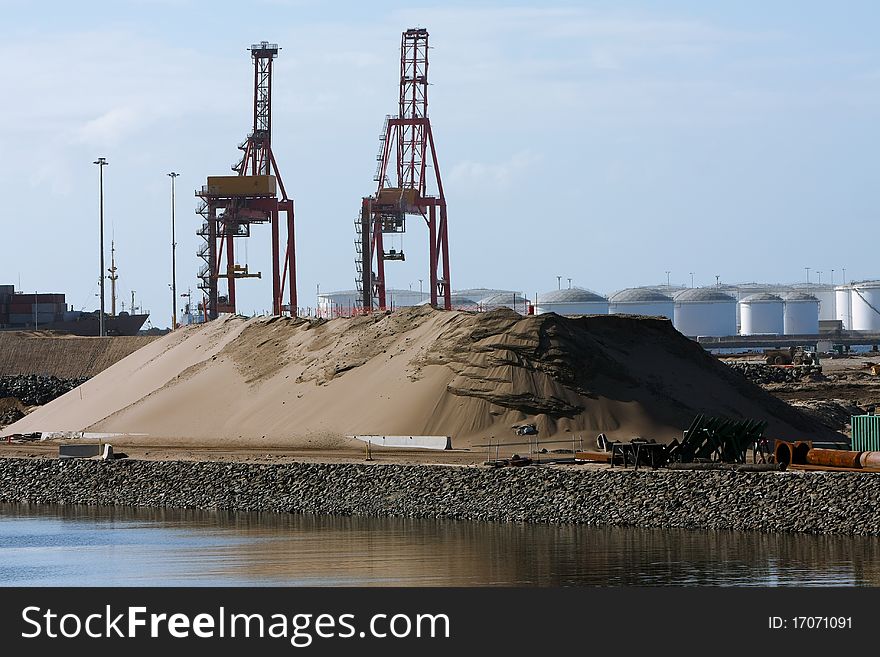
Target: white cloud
x,y
473,175
111,126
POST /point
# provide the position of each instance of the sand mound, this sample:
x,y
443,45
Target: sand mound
x,y
472,376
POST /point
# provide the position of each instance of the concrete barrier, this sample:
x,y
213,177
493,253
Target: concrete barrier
x,y
88,451
408,442
79,451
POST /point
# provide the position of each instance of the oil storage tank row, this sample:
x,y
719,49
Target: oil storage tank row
x,y
794,313
714,312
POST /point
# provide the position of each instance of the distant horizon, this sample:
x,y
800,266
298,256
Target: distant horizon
x,y
525,293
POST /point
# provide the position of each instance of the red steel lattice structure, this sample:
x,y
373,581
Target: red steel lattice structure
x,y
407,146
232,204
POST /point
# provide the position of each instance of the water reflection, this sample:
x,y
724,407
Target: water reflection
x,y
71,545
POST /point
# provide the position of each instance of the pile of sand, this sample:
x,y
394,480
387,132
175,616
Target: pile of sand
x,y
472,376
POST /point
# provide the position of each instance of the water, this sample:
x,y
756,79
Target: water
x,y
88,546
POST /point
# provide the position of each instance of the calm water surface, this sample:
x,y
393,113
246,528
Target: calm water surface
x,y
88,546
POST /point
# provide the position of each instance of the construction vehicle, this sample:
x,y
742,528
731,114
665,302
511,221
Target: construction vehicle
x,y
790,356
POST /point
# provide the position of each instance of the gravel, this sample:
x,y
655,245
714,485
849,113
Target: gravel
x,y
763,374
791,501
35,389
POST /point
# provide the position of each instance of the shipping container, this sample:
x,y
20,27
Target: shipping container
x,y
53,308
28,318
866,433
49,298
241,185
21,308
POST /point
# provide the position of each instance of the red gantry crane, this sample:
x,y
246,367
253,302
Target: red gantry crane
x,y
407,146
230,205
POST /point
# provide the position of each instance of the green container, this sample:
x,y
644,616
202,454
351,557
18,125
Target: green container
x,y
866,433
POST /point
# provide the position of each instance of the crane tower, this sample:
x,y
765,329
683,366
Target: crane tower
x,y
230,205
406,151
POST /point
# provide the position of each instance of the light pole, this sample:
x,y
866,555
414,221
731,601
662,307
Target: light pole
x,y
420,290
844,275
173,175
667,279
832,277
819,274
692,279
569,283
807,270
559,282
101,162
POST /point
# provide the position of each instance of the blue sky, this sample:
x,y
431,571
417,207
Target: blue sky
x,y
606,142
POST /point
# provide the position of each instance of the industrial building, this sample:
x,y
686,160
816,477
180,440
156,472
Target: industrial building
x,y
346,303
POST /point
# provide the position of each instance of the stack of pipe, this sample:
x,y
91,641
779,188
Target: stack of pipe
x,y
792,453
803,453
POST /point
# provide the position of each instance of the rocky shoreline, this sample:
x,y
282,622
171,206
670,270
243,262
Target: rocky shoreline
x,y
792,501
35,389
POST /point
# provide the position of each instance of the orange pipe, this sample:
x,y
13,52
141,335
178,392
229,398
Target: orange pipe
x,y
837,458
799,451
783,452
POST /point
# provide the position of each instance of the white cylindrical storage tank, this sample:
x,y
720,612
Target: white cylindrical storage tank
x,y
459,302
824,293
801,314
843,305
740,291
513,301
703,311
571,301
761,314
865,305
641,301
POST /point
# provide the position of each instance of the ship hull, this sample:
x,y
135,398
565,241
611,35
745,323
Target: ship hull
x,y
88,325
